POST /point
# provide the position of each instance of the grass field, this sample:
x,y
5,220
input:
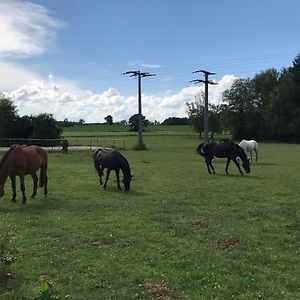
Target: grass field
x,y
179,233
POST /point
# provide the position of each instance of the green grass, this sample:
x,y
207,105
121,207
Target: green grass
x,y
179,233
124,130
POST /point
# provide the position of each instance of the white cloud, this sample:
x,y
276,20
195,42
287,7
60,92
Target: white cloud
x,y
26,28
13,76
57,98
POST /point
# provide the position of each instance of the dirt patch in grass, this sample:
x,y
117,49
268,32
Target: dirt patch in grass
x,y
201,223
95,244
159,290
5,276
292,226
229,244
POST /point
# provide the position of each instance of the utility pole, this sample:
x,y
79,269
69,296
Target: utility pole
x,y
206,82
139,75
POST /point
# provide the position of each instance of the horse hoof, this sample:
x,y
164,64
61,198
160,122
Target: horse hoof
x,y
14,200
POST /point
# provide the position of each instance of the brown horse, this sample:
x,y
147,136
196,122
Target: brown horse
x,y
21,161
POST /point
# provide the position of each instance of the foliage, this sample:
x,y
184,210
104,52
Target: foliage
x,y
267,106
109,120
45,127
8,116
45,291
195,111
81,121
175,121
42,126
134,122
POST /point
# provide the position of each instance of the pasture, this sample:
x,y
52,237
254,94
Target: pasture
x,y
179,233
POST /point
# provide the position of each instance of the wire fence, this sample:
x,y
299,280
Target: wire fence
x,y
75,142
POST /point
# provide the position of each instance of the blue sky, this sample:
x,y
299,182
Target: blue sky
x,y
67,56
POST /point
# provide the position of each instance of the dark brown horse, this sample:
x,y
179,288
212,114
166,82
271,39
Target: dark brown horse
x,y
112,160
226,149
21,161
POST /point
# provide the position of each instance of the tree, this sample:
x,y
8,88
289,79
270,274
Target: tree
x,y
45,127
8,116
109,120
24,127
214,119
81,121
176,121
242,105
134,122
195,111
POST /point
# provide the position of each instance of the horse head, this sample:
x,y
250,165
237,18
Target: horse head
x,y
246,165
126,181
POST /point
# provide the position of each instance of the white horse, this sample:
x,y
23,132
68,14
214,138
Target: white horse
x,y
249,146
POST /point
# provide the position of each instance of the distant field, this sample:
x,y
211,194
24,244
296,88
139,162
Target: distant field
x,y
179,233
121,130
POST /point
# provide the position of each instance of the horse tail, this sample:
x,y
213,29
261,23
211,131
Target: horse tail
x,y
96,161
43,175
44,165
200,150
256,151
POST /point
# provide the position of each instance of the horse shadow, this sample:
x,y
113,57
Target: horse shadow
x,y
37,205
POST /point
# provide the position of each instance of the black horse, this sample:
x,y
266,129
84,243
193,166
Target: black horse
x,y
226,149
112,160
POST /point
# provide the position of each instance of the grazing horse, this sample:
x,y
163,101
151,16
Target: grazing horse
x,y
112,160
226,149
249,146
21,161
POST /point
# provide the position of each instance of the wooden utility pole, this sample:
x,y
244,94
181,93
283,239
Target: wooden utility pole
x,y
139,75
206,83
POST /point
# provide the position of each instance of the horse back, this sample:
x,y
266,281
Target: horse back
x,y
29,159
111,159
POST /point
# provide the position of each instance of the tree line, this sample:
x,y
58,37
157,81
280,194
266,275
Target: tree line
x,y
41,126
266,107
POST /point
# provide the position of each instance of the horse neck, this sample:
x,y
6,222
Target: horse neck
x,y
125,167
4,171
241,153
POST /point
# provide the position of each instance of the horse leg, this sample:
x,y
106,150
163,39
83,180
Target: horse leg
x,y
100,174
251,156
227,164
256,155
106,179
35,182
118,178
207,165
212,167
238,165
13,187
45,185
22,187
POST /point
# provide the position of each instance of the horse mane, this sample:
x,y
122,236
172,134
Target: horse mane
x,y
241,152
126,163
7,153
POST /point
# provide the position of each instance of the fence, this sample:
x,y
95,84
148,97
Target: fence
x,y
76,141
